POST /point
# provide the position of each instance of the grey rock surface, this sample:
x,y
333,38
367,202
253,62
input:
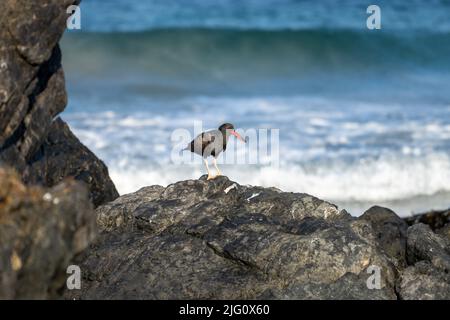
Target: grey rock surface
x,y
219,240
425,245
428,254
423,281
435,219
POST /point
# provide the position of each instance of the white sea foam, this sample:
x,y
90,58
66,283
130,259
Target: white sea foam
x,y
369,182
137,122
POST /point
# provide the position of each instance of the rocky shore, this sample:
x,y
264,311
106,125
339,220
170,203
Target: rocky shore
x,y
194,239
216,239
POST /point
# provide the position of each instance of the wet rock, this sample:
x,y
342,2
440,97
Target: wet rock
x,y
41,230
218,239
32,94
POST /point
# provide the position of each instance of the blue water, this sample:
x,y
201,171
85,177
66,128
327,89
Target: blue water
x,y
364,115
137,15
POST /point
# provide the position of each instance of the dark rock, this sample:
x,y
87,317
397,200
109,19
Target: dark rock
x,y
444,231
435,219
217,239
32,94
428,254
390,232
348,287
63,155
424,282
40,233
424,244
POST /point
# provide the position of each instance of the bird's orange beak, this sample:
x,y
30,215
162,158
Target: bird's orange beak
x,y
237,135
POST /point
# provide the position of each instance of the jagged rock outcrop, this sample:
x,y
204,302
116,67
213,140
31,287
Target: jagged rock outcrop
x,y
428,276
216,239
32,94
63,155
219,240
41,230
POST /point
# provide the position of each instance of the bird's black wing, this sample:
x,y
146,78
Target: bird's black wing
x,y
200,142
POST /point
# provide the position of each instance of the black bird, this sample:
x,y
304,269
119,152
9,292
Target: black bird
x,y
212,143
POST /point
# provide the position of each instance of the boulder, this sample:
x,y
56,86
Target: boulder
x,y
427,276
41,231
435,219
390,232
32,94
424,244
63,155
216,239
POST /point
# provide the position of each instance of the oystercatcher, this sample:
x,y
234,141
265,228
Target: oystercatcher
x,y
212,143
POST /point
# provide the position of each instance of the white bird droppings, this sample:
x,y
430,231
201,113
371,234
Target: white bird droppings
x,y
253,196
233,186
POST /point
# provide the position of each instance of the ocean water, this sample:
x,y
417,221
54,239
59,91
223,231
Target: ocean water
x,y
363,115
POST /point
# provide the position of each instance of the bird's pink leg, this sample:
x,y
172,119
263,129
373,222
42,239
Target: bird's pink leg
x,y
207,169
217,168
